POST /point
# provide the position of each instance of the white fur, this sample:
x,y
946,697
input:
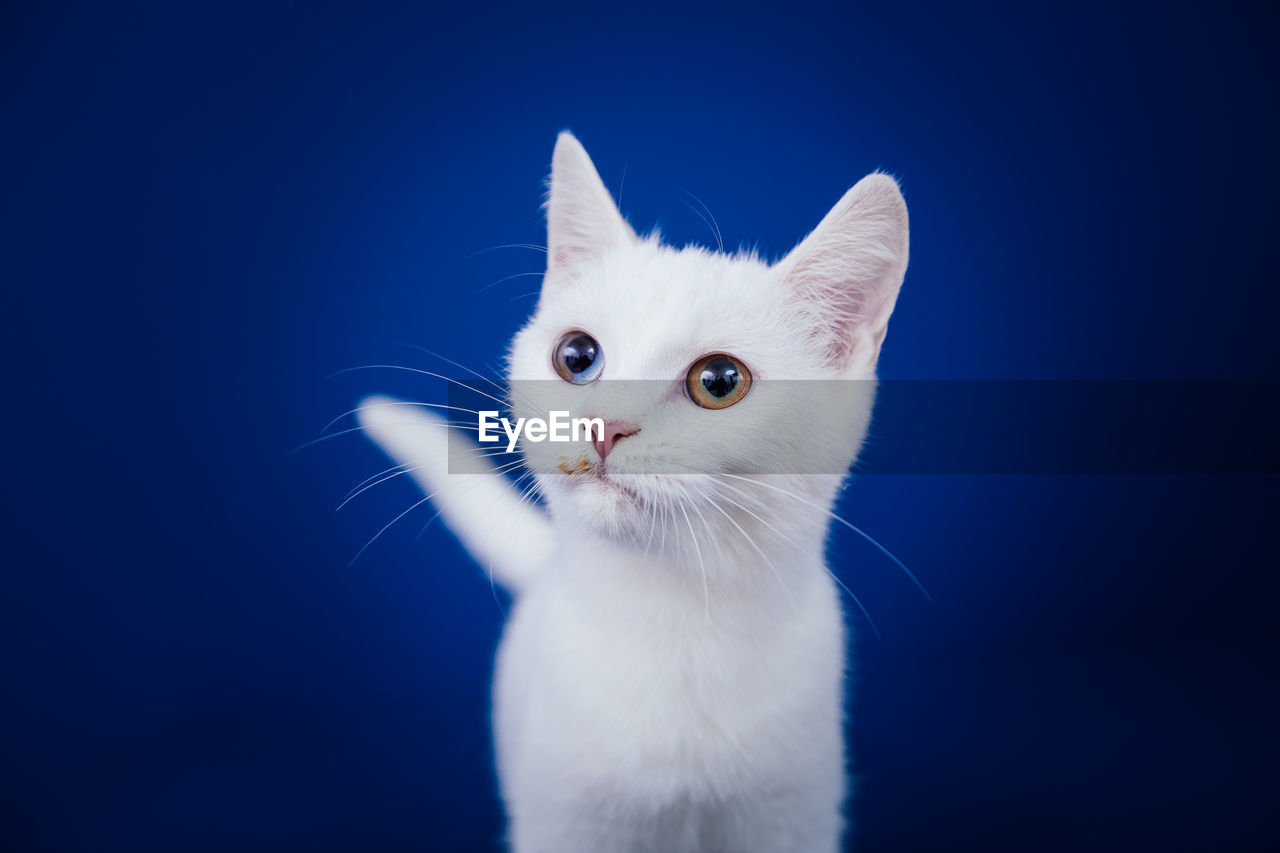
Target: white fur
x,y
671,675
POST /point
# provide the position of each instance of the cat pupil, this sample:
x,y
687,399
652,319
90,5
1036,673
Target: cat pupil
x,y
719,377
579,353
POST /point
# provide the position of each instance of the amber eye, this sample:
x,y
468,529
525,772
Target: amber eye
x,y
718,381
577,358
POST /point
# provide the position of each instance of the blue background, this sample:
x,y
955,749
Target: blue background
x,y
207,211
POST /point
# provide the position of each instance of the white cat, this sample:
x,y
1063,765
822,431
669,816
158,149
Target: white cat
x,y
672,673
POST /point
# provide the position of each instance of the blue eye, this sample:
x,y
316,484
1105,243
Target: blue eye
x,y
578,358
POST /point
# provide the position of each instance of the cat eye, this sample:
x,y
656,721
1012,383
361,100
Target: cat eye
x,y
578,358
717,381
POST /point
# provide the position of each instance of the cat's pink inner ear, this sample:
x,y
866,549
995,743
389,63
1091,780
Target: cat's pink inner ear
x,y
847,273
582,219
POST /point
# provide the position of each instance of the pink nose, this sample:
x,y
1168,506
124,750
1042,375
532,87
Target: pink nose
x,y
614,431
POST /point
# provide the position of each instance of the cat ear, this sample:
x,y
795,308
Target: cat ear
x,y
582,219
848,271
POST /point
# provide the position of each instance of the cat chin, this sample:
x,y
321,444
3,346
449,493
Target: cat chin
x,y
606,506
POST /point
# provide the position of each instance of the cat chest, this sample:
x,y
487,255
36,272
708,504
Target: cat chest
x,y
670,699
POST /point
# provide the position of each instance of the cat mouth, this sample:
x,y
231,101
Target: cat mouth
x,y
601,477
583,471
579,467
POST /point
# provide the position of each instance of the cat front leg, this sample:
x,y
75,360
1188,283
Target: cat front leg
x,y
503,533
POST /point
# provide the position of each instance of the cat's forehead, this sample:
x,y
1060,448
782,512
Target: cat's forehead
x,y
654,305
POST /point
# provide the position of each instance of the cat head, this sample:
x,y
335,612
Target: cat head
x,y
706,368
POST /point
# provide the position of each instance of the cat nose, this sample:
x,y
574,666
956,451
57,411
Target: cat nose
x,y
614,431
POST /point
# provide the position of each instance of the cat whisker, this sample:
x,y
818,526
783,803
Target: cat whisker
x,y
435,515
870,622
358,409
524,496
493,284
752,542
853,596
739,491
715,540
857,601
414,506
532,246
416,370
706,591
422,530
501,387
843,521
350,430
651,511
366,486
662,548
481,453
402,465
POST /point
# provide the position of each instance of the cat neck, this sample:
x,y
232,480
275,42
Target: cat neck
x,y
684,562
